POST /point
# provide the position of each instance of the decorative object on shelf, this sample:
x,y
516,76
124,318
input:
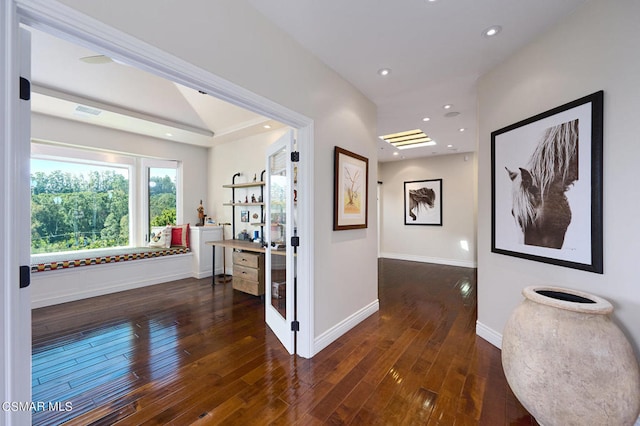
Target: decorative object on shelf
x,y
255,215
255,177
244,216
351,190
244,235
234,186
423,202
201,214
534,163
567,361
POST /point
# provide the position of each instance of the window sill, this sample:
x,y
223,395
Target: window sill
x,y
53,262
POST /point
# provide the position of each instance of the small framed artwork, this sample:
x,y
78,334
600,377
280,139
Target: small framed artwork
x,y
423,202
244,216
546,186
351,191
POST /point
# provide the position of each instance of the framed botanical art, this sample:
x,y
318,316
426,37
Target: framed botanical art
x,y
546,186
351,191
423,202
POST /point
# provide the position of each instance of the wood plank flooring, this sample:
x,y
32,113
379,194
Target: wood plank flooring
x,y
185,353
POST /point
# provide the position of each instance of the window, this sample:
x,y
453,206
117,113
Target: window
x,y
162,196
77,206
83,199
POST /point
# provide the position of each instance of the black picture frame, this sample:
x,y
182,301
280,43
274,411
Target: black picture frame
x,y
423,202
546,186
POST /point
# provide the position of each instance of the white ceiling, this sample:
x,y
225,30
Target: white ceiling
x,y
130,99
435,50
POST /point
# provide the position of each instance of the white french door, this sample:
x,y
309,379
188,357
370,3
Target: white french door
x,y
280,228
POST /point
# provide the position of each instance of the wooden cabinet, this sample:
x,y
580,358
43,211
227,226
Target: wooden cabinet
x,y
248,272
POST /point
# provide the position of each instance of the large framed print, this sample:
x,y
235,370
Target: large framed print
x,y
546,186
423,202
351,191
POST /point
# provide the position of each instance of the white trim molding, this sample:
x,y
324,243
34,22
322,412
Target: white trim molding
x,y
331,335
427,259
489,334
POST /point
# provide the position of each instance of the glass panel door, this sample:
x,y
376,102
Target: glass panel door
x,y
279,303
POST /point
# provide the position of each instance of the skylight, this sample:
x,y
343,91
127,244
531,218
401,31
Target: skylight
x,y
409,139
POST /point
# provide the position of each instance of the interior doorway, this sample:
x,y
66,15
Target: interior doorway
x,y
76,28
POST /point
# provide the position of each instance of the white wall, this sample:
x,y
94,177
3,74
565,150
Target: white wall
x,y
591,50
433,244
232,40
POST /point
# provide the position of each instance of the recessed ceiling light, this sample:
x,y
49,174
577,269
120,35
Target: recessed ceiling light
x,y
461,129
492,31
447,106
169,134
384,71
430,1
395,153
266,126
452,114
426,119
449,146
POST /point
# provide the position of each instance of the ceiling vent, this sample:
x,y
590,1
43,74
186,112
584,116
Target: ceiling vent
x,y
85,110
409,139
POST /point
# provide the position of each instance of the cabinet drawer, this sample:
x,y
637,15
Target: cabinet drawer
x,y
252,287
251,260
245,273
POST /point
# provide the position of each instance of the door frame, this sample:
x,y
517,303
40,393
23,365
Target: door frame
x,y
67,23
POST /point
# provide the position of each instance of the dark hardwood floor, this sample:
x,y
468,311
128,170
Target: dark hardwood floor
x,y
185,353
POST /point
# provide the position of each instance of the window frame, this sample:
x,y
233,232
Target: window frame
x,y
145,164
138,167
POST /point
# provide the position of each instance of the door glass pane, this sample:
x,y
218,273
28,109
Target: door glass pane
x,y
277,222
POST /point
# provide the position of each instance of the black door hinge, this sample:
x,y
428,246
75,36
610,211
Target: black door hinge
x,y
25,89
295,326
25,276
295,241
295,156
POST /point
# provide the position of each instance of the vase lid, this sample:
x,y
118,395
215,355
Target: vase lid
x,y
568,299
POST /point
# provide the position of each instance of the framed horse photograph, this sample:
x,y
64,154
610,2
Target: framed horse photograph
x,y
546,186
423,202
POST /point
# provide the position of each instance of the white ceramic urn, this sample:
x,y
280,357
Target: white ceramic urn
x,y
567,362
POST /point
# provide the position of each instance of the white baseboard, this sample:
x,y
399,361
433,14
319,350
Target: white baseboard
x,y
489,334
331,335
427,259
